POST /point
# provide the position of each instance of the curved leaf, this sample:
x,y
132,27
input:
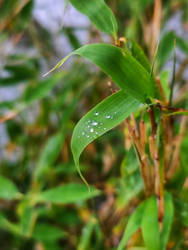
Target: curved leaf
x,y
103,117
150,227
99,14
133,225
120,66
67,193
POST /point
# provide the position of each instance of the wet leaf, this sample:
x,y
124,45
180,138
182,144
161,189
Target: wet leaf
x,y
103,117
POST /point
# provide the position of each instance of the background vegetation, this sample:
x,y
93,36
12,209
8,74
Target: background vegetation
x,y
44,204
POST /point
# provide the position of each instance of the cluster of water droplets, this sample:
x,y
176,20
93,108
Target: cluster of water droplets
x,y
93,126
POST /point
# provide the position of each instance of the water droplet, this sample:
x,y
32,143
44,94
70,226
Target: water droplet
x,y
91,130
94,123
87,136
96,113
96,133
83,133
107,116
104,128
88,126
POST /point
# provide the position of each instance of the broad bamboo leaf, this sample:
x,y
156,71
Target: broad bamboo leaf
x,y
167,222
99,14
103,117
8,190
150,226
120,66
49,154
68,193
134,223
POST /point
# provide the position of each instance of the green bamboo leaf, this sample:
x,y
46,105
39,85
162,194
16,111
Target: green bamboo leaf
x,y
68,193
103,117
8,190
150,227
49,154
99,14
120,66
167,222
134,223
138,54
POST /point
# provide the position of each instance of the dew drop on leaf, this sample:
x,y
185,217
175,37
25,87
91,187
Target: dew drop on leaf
x,y
94,123
107,116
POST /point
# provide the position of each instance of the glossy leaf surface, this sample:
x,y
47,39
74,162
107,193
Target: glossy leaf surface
x,y
103,117
120,66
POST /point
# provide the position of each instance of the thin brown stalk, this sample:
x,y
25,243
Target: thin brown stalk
x,y
176,154
156,25
159,189
152,121
8,116
161,90
142,157
16,11
154,152
142,132
181,69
